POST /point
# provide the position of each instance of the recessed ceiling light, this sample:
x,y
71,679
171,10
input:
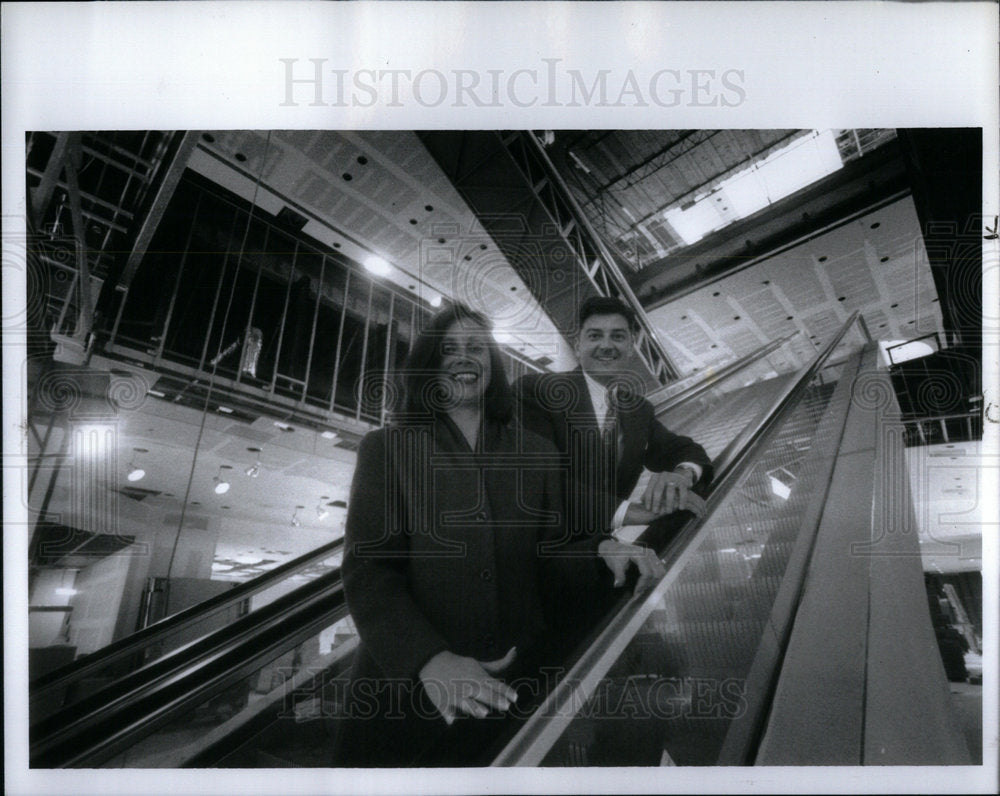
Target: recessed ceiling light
x,y
428,208
221,484
135,472
347,176
362,160
225,410
329,434
240,157
156,393
283,426
876,225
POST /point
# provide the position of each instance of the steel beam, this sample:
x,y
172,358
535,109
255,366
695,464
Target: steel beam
x,y
522,203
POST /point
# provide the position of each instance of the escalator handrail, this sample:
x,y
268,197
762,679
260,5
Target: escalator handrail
x,y
730,464
708,382
64,675
96,727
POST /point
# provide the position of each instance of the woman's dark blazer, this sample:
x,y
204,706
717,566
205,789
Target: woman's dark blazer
x,y
445,547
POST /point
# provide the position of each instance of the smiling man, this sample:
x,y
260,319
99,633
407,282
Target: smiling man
x,y
597,417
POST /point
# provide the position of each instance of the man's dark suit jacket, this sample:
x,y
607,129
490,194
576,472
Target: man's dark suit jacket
x,y
557,406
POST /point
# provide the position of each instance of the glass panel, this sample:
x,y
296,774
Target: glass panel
x,y
276,692
678,687
184,593
324,358
716,416
379,335
239,295
352,344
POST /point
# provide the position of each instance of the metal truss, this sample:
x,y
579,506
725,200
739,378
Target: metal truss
x,y
588,250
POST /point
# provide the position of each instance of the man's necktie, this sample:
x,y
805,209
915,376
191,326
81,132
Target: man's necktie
x,y
611,433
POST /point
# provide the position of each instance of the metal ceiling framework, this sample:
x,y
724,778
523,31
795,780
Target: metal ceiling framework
x,y
524,205
626,180
87,192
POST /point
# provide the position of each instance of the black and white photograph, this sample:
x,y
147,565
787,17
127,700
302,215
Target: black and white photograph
x,y
385,411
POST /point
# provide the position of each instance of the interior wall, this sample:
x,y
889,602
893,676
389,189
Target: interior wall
x,y
95,605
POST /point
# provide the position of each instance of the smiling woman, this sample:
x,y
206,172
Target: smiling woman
x,y
448,566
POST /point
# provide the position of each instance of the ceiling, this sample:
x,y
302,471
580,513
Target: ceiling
x,y
381,193
875,264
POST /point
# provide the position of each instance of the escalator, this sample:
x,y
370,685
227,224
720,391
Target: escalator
x,y
688,670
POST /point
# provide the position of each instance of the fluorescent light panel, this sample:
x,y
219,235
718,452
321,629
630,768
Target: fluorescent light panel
x,y
783,172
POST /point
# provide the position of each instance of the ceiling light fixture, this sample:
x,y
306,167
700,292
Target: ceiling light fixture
x,y
377,266
136,473
254,469
221,484
296,522
322,511
502,336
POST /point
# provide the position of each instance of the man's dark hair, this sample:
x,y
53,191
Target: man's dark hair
x,y
607,305
423,366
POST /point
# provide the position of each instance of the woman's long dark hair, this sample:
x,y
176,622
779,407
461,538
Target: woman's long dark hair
x,y
423,367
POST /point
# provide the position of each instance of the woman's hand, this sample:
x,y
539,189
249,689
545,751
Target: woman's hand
x,y
618,556
457,684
